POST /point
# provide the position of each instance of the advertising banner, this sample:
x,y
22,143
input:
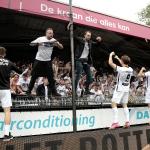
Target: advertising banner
x,y
134,138
81,16
4,3
48,122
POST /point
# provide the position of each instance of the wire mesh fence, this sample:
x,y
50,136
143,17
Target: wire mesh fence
x,y
37,102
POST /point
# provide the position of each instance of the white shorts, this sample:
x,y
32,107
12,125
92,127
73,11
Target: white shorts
x,y
120,97
5,98
147,97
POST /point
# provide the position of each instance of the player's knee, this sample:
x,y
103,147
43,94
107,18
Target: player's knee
x,y
6,109
124,105
113,104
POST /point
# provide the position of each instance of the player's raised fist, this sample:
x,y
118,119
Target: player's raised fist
x,y
112,53
116,57
99,39
143,68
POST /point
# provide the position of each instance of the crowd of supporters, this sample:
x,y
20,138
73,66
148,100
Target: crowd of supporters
x,y
103,84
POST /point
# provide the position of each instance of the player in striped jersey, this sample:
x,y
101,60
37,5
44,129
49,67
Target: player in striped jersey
x,y
121,93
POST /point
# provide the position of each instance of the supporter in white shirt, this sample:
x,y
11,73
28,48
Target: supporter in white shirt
x,y
98,96
43,64
23,83
61,89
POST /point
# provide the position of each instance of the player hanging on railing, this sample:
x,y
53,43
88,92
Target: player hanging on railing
x,y
143,73
43,65
5,95
121,93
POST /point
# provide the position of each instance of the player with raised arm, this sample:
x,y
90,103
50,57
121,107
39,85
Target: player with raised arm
x,y
146,74
5,94
83,59
121,93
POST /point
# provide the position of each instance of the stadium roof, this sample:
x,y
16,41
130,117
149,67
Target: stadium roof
x,y
81,16
18,28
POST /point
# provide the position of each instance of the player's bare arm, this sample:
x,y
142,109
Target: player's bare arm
x,y
59,45
98,39
116,57
142,72
37,44
111,63
33,44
